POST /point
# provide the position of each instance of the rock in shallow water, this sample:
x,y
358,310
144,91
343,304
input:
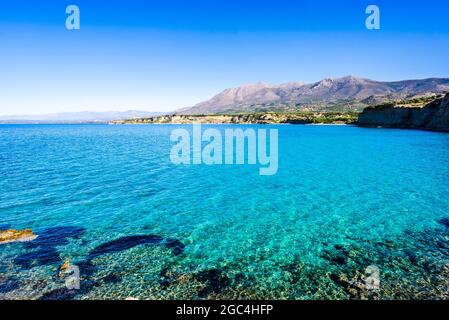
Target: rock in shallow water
x,y
128,242
8,284
12,235
44,249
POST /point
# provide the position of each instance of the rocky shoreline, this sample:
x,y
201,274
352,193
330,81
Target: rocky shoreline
x,y
252,118
429,113
433,116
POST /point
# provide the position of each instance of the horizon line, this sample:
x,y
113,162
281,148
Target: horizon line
x,y
222,90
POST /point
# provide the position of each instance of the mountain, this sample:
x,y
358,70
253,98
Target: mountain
x,y
339,93
78,117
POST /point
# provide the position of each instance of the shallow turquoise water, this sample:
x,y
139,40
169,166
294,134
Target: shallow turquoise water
x,y
344,198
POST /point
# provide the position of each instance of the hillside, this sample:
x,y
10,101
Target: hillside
x,y
347,93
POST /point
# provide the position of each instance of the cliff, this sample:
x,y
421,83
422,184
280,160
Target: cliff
x,y
433,116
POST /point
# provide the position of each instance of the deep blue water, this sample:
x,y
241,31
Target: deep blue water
x,y
344,198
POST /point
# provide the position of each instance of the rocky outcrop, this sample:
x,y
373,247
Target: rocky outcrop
x,y
433,116
8,236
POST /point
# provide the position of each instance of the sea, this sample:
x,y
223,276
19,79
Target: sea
x,y
107,201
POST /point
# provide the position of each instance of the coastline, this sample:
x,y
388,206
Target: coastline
x,y
329,124
336,118
433,116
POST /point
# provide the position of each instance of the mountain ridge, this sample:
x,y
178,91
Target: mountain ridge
x,y
349,92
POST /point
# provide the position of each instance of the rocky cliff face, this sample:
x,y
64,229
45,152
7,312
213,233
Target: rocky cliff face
x,y
433,116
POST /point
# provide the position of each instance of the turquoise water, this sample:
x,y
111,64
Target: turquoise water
x,y
344,198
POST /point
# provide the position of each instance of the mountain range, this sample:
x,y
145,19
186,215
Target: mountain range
x,y
346,93
78,117
331,94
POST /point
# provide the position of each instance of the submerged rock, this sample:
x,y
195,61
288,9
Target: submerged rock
x,y
59,294
444,222
216,281
43,251
41,257
8,284
128,242
12,235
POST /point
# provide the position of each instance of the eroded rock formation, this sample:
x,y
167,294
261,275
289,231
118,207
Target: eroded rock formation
x,y
433,116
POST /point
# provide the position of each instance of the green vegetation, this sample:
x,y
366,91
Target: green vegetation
x,y
304,117
336,117
419,101
414,102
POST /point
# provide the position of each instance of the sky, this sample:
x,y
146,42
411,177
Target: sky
x,y
160,55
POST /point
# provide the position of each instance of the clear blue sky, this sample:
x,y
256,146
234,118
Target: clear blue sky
x,y
166,54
